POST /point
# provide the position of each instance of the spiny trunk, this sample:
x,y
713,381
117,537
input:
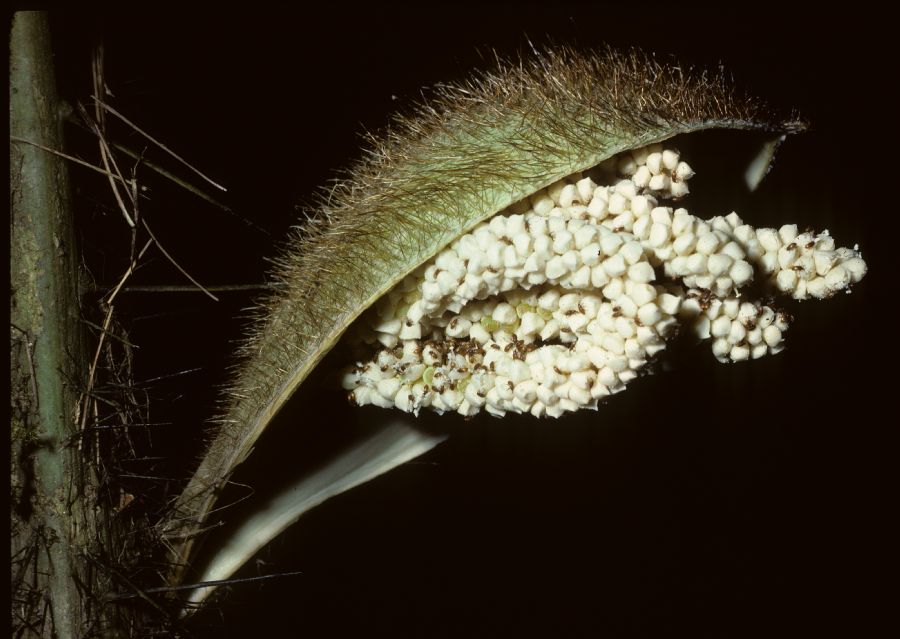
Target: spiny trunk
x,y
55,524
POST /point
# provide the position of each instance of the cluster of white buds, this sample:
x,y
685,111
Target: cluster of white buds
x,y
724,254
739,329
805,265
543,351
657,170
563,298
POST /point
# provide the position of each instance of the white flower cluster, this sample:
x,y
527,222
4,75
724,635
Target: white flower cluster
x,y
488,356
723,254
739,330
563,298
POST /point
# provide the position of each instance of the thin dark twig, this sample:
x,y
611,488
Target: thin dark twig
x,y
112,111
175,288
202,584
174,263
137,591
98,127
161,171
66,156
187,186
121,426
169,375
88,394
110,334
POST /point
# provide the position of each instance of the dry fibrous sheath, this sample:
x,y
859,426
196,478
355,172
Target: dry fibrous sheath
x,y
518,244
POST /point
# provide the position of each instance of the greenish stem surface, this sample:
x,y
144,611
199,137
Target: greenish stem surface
x,y
52,488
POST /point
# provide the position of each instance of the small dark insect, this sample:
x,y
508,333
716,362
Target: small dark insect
x,y
705,299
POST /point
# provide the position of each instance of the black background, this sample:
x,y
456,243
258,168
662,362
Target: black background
x,y
714,500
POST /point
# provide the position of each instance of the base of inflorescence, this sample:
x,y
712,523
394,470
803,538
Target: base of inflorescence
x,y
562,299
